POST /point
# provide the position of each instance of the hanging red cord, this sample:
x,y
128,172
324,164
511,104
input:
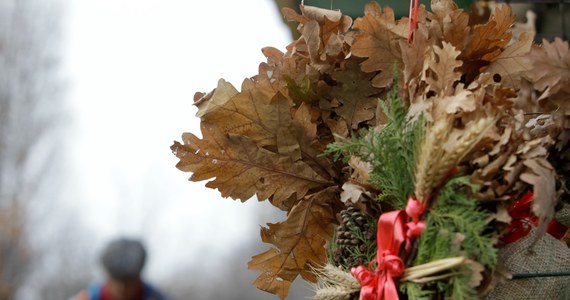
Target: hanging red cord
x,y
413,19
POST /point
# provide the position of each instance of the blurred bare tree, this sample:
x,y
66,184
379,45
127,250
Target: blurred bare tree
x,y
30,102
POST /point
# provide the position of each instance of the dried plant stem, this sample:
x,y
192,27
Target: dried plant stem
x,y
333,293
435,162
334,283
425,272
466,142
430,157
337,284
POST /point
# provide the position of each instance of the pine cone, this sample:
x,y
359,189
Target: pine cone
x,y
355,237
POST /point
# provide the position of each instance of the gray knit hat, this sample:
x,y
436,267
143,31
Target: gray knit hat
x,y
124,258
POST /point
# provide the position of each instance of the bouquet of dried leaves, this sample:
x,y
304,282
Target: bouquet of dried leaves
x,y
405,165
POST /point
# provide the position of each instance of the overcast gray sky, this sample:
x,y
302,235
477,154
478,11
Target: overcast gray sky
x,y
133,67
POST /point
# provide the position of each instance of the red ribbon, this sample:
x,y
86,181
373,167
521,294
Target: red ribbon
x,y
414,209
379,284
523,219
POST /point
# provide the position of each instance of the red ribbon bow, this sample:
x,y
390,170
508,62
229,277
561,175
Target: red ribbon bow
x,y
414,209
523,218
392,232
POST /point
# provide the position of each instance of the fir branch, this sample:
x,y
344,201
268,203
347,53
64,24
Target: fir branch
x,y
395,149
460,288
345,148
391,150
457,226
369,243
415,291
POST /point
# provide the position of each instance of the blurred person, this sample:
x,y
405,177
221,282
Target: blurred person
x,y
123,260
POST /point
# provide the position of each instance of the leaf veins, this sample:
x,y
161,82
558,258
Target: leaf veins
x,y
241,169
378,41
299,244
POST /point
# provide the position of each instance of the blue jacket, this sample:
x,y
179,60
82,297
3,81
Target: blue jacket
x,y
149,292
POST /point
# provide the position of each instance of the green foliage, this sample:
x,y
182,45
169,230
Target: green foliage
x,y
361,253
459,285
392,151
456,226
414,291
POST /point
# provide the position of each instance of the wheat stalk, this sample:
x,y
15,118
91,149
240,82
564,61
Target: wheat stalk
x,y
434,163
430,157
333,293
464,145
334,283
331,274
425,272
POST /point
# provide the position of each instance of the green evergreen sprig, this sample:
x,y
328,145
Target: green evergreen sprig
x,y
456,226
392,151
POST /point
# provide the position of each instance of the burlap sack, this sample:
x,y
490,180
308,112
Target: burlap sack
x,y
547,255
563,215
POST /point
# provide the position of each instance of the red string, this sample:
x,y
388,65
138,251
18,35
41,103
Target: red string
x,y
413,19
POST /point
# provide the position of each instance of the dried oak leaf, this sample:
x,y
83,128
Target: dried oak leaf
x,y
414,55
513,61
550,72
240,169
461,101
312,36
377,39
453,22
541,175
351,192
289,73
487,42
299,244
258,112
211,101
321,33
310,143
443,63
357,96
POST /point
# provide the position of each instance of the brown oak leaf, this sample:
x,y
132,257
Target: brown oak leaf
x,y
487,42
240,169
462,101
333,37
288,74
414,54
357,96
299,244
513,61
351,193
258,112
541,175
550,70
321,33
377,39
312,37
444,64
453,22
310,144
218,97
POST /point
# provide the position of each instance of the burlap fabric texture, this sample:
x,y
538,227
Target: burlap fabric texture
x,y
563,215
547,255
